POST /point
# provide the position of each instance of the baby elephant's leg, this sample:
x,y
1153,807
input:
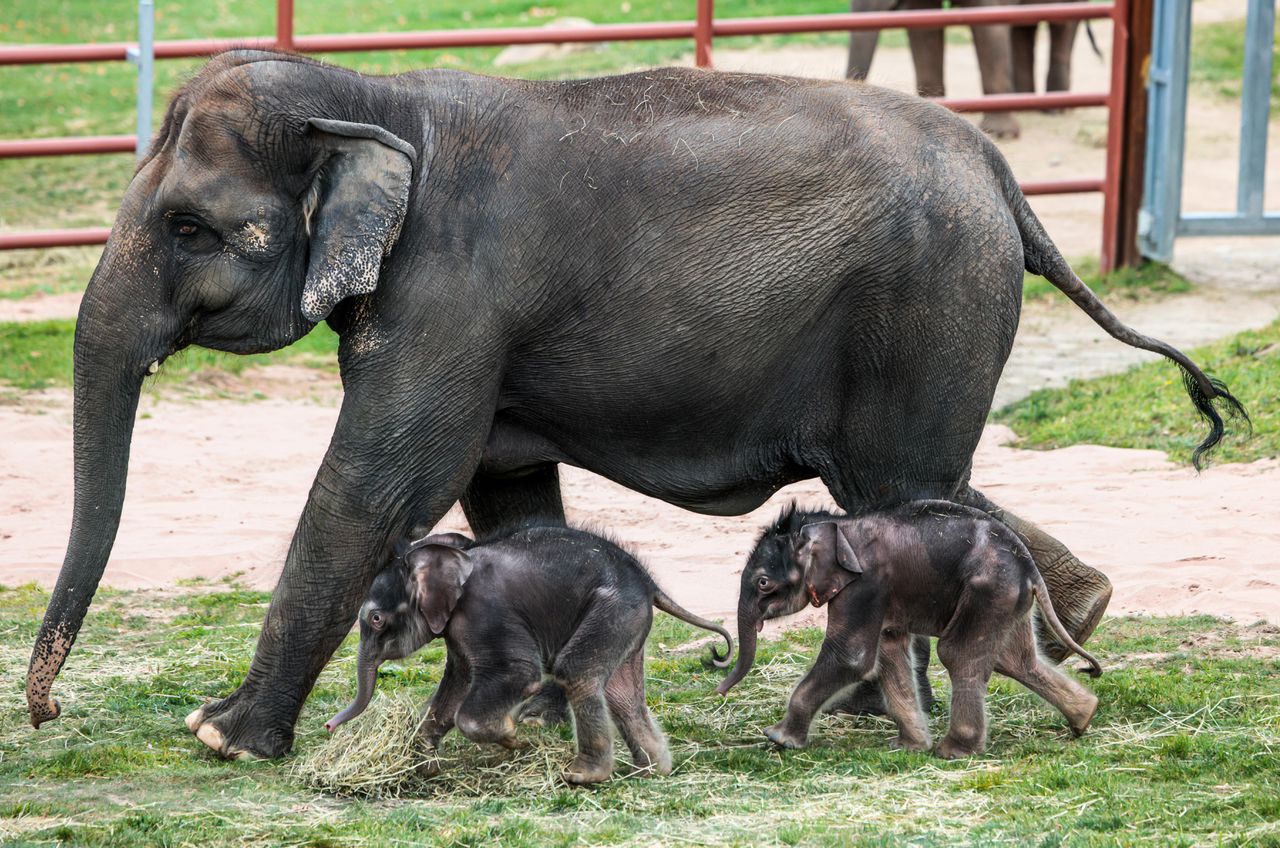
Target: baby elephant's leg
x,y
901,699
437,717
1021,661
980,624
485,715
608,633
624,694
847,656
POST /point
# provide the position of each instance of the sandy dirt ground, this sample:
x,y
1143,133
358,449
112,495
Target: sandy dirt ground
x,y
216,486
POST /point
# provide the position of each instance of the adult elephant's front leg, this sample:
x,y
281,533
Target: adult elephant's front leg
x,y
382,473
1080,594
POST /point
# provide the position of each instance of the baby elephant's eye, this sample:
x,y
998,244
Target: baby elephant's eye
x,y
376,620
763,583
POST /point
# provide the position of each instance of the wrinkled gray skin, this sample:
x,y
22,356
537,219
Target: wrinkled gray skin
x,y
638,275
542,602
992,44
926,567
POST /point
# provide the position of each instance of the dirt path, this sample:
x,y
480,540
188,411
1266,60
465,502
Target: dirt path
x,y
216,488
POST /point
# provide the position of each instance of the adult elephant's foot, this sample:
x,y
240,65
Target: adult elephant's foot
x,y
547,708
237,729
1000,125
1080,595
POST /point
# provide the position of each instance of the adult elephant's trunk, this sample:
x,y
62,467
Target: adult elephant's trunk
x,y
367,680
749,623
122,331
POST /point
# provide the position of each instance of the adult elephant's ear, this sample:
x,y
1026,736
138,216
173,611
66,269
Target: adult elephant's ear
x,y
829,560
440,573
354,210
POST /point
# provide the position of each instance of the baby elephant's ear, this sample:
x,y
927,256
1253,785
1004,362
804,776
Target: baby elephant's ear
x,y
439,573
831,565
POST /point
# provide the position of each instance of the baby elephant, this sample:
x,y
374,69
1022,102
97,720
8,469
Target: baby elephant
x,y
512,610
927,567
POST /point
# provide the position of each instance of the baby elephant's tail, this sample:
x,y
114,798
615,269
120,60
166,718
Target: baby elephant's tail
x,y
1046,610
663,601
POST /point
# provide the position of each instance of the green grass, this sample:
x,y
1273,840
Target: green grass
x,y
1217,59
1146,406
38,354
1151,279
1183,751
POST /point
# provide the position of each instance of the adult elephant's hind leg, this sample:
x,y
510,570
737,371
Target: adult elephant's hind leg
x,y
1080,594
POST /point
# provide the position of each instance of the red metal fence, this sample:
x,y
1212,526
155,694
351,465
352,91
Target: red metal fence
x,y
703,30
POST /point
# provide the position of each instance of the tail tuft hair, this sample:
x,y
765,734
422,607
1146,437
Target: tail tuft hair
x,y
1207,407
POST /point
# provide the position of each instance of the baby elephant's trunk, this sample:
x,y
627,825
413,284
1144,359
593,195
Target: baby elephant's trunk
x,y
749,622
367,676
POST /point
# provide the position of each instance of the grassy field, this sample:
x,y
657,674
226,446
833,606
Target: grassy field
x,y
1183,751
1146,407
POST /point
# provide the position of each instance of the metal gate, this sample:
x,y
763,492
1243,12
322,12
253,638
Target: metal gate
x,y
1161,218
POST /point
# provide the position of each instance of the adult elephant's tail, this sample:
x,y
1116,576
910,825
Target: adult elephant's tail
x,y
1042,257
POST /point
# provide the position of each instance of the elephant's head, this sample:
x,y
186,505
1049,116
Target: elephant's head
x,y
271,194
409,604
802,558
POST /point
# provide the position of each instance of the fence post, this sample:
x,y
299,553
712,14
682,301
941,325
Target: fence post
x,y
1255,107
702,33
1166,129
144,56
284,24
1115,135
1141,17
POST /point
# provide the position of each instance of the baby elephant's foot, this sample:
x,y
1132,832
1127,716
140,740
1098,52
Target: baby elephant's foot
x,y
1080,721
582,771
649,766
784,737
496,732
901,743
951,748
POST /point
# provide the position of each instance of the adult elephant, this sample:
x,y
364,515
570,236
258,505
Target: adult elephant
x,y
702,286
992,43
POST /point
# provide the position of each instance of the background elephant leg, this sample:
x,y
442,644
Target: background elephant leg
x,y
1080,594
996,64
1062,40
862,44
927,48
496,503
1023,49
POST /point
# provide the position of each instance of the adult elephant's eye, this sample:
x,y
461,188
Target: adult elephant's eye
x,y
193,235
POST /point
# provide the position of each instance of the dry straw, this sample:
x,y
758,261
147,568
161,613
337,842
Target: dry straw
x,y
379,755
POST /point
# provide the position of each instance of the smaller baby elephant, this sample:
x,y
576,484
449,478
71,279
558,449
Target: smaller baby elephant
x,y
512,610
927,567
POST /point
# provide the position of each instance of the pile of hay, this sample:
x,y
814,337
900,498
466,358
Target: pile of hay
x,y
379,755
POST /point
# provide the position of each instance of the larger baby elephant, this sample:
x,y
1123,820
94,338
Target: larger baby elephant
x,y
537,602
927,567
